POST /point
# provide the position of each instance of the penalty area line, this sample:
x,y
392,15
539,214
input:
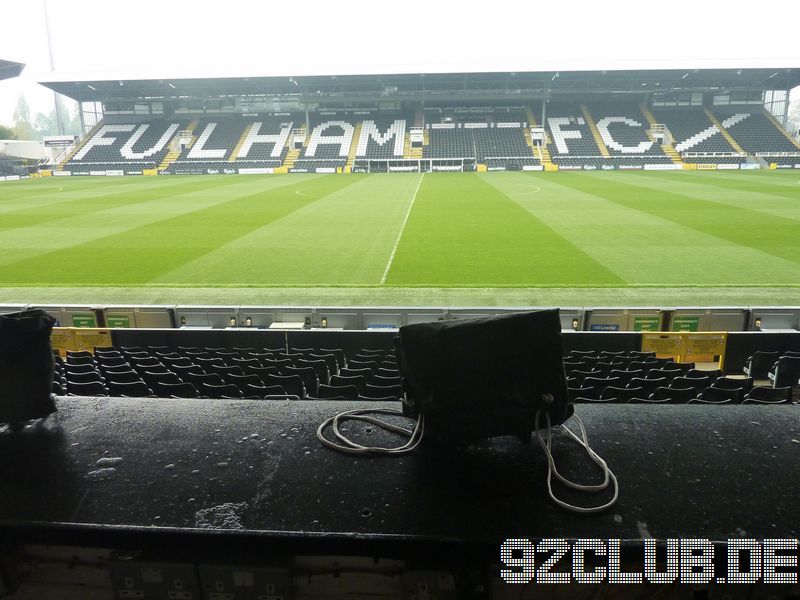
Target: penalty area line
x,y
400,233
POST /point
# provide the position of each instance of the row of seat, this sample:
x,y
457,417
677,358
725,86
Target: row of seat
x,y
222,372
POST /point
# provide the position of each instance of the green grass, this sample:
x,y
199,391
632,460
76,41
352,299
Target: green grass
x,y
579,239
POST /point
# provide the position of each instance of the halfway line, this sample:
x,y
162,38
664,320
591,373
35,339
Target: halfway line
x,y
400,234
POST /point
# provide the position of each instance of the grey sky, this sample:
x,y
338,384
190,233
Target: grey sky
x,y
246,37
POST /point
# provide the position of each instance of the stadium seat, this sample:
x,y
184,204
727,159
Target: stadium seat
x,y
785,372
337,392
176,390
620,394
220,391
93,388
768,395
133,389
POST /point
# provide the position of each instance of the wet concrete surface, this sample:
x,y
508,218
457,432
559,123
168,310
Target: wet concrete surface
x,y
256,467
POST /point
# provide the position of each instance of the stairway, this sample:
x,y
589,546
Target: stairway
x,y
713,118
531,118
781,128
291,157
174,151
411,153
544,157
419,117
78,145
668,149
240,143
601,145
351,156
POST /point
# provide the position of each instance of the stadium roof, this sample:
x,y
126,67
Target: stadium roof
x,y
427,85
9,69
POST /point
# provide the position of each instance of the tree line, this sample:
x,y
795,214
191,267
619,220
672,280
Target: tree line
x,y
23,127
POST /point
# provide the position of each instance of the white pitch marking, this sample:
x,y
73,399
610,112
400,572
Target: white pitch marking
x,y
300,193
533,191
400,234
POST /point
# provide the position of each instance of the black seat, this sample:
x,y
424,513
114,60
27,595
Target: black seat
x,y
648,384
711,374
223,370
111,361
132,389
320,368
768,395
581,375
128,376
261,371
228,390
384,381
84,368
246,362
329,359
347,371
340,392
92,388
578,392
307,374
729,383
620,394
152,378
363,364
254,392
383,391
243,380
83,377
356,380
758,364
715,395
291,384
176,390
198,379
341,359
674,394
785,372
698,384
669,374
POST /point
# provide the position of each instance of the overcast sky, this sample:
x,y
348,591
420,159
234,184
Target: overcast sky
x,y
161,38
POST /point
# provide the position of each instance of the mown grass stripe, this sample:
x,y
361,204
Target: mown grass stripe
x,y
772,235
25,243
82,205
342,238
140,254
465,232
639,247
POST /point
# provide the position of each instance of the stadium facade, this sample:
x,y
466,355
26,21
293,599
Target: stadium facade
x,y
581,120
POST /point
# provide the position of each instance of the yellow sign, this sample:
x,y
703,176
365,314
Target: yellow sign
x,y
150,172
79,338
706,167
705,347
665,345
63,339
688,346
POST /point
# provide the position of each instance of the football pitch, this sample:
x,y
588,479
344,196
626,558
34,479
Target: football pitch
x,y
462,239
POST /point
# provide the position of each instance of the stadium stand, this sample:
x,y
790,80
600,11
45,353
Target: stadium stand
x,y
757,134
382,138
624,130
598,135
223,373
693,132
124,146
328,145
